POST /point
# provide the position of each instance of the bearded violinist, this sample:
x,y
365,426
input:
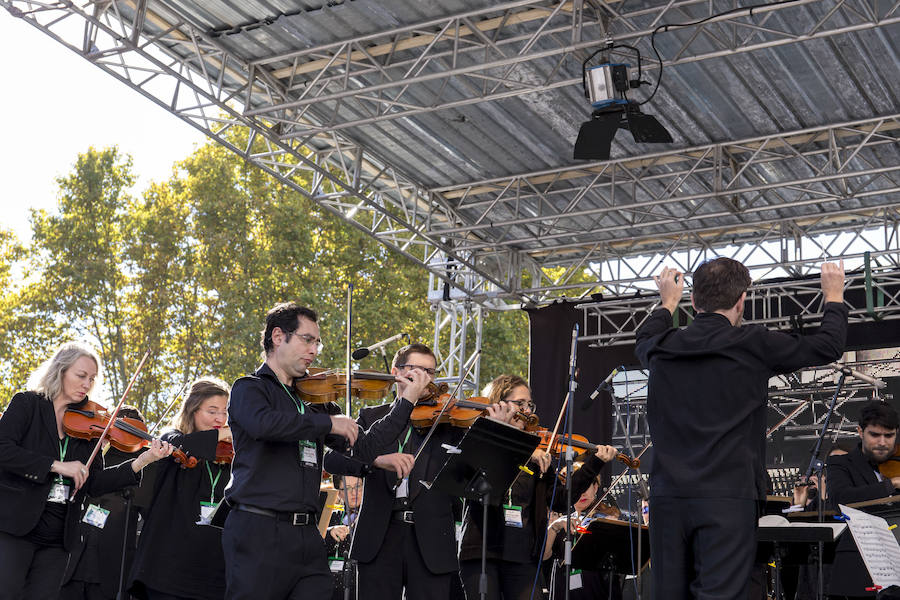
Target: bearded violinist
x,y
40,467
516,530
855,477
405,535
272,547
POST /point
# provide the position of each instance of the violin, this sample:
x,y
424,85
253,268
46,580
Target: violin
x,y
891,467
224,453
459,413
126,435
561,443
321,386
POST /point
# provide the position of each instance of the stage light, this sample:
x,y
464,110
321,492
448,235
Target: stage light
x,y
605,86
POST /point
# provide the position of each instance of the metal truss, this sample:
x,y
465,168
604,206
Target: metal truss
x,y
457,341
598,218
872,292
521,47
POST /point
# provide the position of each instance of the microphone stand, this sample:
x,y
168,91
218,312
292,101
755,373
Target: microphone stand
x,y
570,458
815,467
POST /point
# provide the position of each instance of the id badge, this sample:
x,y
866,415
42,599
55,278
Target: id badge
x,y
59,493
96,516
308,454
403,489
512,515
336,564
575,580
207,509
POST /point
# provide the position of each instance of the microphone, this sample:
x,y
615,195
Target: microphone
x,y
606,384
361,353
877,383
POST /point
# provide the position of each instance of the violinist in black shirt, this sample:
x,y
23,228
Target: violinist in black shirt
x,y
272,547
40,468
707,413
516,529
179,555
405,534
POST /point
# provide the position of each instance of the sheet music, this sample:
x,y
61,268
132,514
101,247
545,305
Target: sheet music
x,y
877,545
779,521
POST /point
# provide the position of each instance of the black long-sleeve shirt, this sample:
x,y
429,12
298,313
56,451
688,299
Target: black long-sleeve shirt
x,y
707,397
267,424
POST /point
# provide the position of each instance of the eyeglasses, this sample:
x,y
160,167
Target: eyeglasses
x,y
527,405
309,340
417,367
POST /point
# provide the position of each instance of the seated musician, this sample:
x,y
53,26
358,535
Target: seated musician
x,y
855,477
583,584
515,533
338,535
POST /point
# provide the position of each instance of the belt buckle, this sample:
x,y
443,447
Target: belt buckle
x,y
408,516
296,519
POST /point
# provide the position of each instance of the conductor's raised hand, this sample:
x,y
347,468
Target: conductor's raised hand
x,y
344,426
670,282
833,281
399,463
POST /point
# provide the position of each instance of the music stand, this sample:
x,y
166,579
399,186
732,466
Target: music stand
x,y
481,467
787,545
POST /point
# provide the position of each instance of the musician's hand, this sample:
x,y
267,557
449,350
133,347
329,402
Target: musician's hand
x,y
502,411
344,426
411,385
559,524
399,463
73,469
606,453
896,482
833,281
542,459
671,288
225,434
158,449
339,532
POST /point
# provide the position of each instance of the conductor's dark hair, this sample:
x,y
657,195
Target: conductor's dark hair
x,y
876,412
719,283
285,316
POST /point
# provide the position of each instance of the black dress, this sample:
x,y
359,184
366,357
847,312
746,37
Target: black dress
x,y
175,555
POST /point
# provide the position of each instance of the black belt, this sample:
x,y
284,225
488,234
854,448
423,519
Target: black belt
x,y
294,518
405,516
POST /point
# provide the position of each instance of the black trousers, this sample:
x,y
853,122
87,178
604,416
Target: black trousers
x,y
505,579
399,565
28,570
702,548
267,559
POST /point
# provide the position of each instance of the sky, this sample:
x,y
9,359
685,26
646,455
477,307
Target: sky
x,y
54,105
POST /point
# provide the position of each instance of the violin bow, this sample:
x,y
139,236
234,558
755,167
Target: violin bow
x,y
618,478
347,349
178,396
113,416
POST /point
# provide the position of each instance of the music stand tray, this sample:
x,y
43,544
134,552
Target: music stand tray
x,y
486,461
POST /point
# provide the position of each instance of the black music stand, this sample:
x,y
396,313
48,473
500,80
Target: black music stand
x,y
611,545
481,467
791,545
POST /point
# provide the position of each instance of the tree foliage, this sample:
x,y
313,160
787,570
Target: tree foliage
x,y
188,269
